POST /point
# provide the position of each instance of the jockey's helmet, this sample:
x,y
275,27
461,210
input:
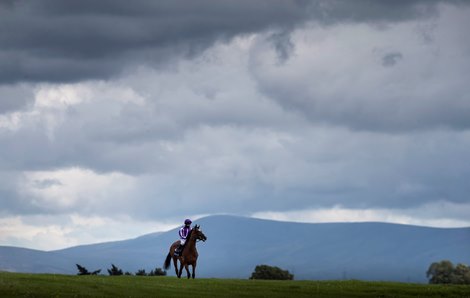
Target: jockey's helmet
x,y
187,221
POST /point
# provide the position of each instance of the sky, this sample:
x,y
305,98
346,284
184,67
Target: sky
x,y
123,118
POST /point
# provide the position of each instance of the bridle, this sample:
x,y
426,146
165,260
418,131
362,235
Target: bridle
x,y
200,239
199,236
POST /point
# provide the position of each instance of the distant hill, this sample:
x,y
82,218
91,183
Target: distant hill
x,y
235,245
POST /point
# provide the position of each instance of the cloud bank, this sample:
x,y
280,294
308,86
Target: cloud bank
x,y
306,110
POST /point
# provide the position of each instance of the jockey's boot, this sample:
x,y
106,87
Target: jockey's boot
x,y
178,250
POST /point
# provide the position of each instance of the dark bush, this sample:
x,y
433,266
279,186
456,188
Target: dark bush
x,y
270,272
141,272
83,271
115,270
158,272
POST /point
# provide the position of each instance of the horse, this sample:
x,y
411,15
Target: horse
x,y
188,255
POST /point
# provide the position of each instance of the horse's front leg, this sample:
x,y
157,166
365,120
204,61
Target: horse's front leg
x,y
194,270
186,266
181,269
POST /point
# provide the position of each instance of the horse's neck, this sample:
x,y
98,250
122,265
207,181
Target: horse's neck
x,y
192,247
191,244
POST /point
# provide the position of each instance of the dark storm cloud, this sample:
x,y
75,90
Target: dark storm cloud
x,y
64,41
391,59
282,44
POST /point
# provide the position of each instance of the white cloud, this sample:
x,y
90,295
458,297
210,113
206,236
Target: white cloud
x,y
10,121
51,232
76,188
60,96
438,214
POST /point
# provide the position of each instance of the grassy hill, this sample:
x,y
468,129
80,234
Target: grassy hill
x,y
49,285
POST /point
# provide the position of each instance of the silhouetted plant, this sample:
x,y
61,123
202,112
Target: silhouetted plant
x,y
141,272
96,272
83,271
114,270
157,272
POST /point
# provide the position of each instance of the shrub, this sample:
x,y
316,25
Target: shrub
x,y
444,272
141,272
83,271
114,270
270,272
158,272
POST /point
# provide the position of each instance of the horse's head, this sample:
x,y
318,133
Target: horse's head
x,y
198,234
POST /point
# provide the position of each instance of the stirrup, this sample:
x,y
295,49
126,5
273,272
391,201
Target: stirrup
x,y
178,252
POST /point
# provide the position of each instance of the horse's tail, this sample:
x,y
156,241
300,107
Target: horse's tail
x,y
167,264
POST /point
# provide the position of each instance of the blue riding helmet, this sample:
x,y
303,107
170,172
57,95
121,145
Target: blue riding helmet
x,y
187,221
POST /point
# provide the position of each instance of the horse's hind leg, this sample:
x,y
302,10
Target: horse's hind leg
x,y
175,262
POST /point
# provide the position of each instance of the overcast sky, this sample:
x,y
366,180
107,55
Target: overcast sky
x,y
122,118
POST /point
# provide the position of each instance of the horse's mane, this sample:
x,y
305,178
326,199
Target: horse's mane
x,y
187,239
189,234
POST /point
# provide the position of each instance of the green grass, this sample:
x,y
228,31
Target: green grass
x,y
49,285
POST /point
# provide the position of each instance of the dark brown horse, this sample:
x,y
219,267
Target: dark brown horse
x,y
188,255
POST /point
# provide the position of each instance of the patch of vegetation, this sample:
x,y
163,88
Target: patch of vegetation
x,y
271,273
83,271
49,285
156,272
444,272
114,270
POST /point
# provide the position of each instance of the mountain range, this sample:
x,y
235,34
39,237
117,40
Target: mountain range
x,y
235,245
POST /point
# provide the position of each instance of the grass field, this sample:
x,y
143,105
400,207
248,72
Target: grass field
x,y
48,285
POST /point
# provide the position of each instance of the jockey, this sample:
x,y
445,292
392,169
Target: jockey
x,y
183,233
